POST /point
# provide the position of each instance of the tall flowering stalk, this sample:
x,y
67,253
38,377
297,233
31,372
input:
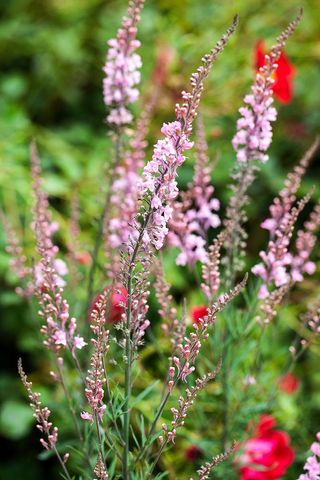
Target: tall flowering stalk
x,y
125,192
96,377
211,267
283,203
251,142
279,265
179,414
41,415
122,68
195,211
119,90
273,270
59,330
159,185
158,188
138,213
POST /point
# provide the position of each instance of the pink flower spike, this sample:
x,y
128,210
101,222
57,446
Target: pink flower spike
x,y
122,68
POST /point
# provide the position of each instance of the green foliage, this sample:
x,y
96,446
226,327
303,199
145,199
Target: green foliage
x,y
52,54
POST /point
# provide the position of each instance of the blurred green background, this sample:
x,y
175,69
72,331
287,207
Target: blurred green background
x,y
51,55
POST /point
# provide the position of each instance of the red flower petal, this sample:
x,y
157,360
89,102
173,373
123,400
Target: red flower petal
x,y
267,455
200,311
288,383
119,298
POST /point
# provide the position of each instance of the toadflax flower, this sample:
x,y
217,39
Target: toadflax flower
x,y
195,210
159,182
283,75
59,329
268,454
251,143
122,68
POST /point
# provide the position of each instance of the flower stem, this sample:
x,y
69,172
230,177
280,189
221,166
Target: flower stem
x,y
63,466
126,422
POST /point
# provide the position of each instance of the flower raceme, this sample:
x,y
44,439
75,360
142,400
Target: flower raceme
x,y
283,75
268,454
159,183
159,179
122,68
59,330
251,143
279,265
194,213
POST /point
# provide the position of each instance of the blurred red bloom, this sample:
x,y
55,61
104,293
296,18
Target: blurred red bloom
x,y
288,383
84,258
198,312
283,77
268,454
119,298
193,453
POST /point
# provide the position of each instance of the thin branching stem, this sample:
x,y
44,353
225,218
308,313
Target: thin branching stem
x,y
62,463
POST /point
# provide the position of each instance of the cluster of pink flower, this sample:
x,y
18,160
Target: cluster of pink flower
x,y
279,265
125,190
96,378
122,68
194,213
159,180
59,330
254,132
312,465
159,185
277,258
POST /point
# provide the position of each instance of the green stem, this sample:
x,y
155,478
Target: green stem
x,y
225,390
113,416
126,421
63,466
157,457
96,419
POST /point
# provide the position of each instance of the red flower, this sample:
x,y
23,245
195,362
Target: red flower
x,y
84,258
119,298
193,453
283,77
268,454
288,383
198,312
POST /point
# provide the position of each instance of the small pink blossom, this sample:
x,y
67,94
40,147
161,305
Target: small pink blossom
x,y
86,416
